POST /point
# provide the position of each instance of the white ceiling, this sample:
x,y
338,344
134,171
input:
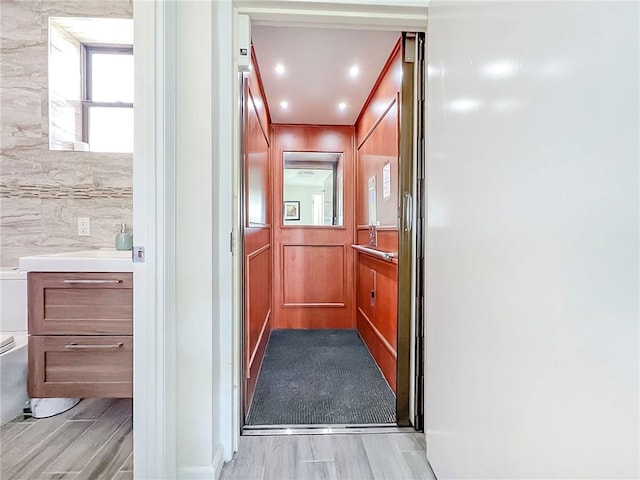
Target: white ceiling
x,y
316,76
307,177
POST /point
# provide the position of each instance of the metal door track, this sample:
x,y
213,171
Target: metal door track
x,y
264,430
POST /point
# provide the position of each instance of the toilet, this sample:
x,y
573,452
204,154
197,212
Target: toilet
x,y
13,343
13,353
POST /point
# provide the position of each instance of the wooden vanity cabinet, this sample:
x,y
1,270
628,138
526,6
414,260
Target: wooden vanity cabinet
x,y
80,334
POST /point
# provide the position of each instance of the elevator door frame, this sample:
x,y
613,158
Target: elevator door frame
x,y
364,17
409,288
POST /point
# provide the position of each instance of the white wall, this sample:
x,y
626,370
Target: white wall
x,y
304,195
197,360
533,235
224,76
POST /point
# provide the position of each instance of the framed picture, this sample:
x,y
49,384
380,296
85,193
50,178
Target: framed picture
x,y
292,210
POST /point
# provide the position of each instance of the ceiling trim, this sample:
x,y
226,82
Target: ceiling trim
x,y
365,17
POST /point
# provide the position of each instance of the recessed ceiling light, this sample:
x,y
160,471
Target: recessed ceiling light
x,y
279,69
354,71
284,104
342,106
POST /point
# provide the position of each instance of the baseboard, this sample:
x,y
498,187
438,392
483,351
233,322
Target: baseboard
x,y
204,472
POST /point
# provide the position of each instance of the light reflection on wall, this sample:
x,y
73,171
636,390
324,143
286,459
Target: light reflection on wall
x,y
464,105
498,70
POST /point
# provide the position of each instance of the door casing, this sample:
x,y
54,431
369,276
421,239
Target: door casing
x,y
361,17
155,356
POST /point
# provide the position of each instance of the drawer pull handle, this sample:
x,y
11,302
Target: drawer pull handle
x,y
92,281
75,346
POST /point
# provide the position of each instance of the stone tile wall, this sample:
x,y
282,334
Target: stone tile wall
x,y
43,192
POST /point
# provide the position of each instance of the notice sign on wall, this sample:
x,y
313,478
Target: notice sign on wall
x,y
372,200
386,180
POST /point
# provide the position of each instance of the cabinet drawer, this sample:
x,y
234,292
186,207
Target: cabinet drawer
x,y
80,303
80,366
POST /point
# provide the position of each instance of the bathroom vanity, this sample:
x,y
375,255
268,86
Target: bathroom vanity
x,y
80,324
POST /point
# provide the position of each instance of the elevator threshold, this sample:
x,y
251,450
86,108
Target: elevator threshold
x,y
263,430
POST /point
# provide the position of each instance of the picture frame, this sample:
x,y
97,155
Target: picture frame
x,y
291,210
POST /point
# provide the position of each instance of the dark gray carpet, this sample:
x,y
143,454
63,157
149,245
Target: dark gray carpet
x,y
320,377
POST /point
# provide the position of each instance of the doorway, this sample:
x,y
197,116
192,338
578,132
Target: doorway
x,y
155,308
336,279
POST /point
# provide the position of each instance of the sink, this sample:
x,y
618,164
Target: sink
x,y
92,254
98,260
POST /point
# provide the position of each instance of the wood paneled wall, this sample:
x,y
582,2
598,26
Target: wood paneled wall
x,y
314,285
258,269
377,140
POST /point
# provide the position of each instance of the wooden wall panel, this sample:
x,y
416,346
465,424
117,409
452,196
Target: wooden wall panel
x,y
384,357
378,312
385,90
255,363
259,105
256,165
306,267
257,312
258,269
258,309
380,277
316,286
256,238
387,239
378,149
377,144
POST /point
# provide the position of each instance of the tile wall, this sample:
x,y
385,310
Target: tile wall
x,y
43,192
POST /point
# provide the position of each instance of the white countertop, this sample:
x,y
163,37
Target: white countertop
x,y
107,260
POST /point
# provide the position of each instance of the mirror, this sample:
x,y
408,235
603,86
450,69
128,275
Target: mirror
x,y
313,188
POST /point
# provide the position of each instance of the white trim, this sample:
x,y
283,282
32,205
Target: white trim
x,y
207,472
238,253
154,218
360,16
223,150
355,16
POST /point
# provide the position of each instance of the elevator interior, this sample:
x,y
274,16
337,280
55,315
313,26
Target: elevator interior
x,y
322,172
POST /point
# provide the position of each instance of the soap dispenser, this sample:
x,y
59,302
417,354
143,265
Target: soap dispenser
x,y
124,239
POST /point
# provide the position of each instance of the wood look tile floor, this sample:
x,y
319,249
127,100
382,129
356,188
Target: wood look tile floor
x,y
93,440
388,456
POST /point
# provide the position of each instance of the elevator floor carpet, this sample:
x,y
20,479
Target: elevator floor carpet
x,y
320,377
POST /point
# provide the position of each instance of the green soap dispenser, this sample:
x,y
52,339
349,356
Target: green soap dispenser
x,y
124,239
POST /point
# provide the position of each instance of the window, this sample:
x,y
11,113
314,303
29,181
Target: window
x,y
91,84
107,106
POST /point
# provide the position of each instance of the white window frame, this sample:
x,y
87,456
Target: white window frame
x,y
88,101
